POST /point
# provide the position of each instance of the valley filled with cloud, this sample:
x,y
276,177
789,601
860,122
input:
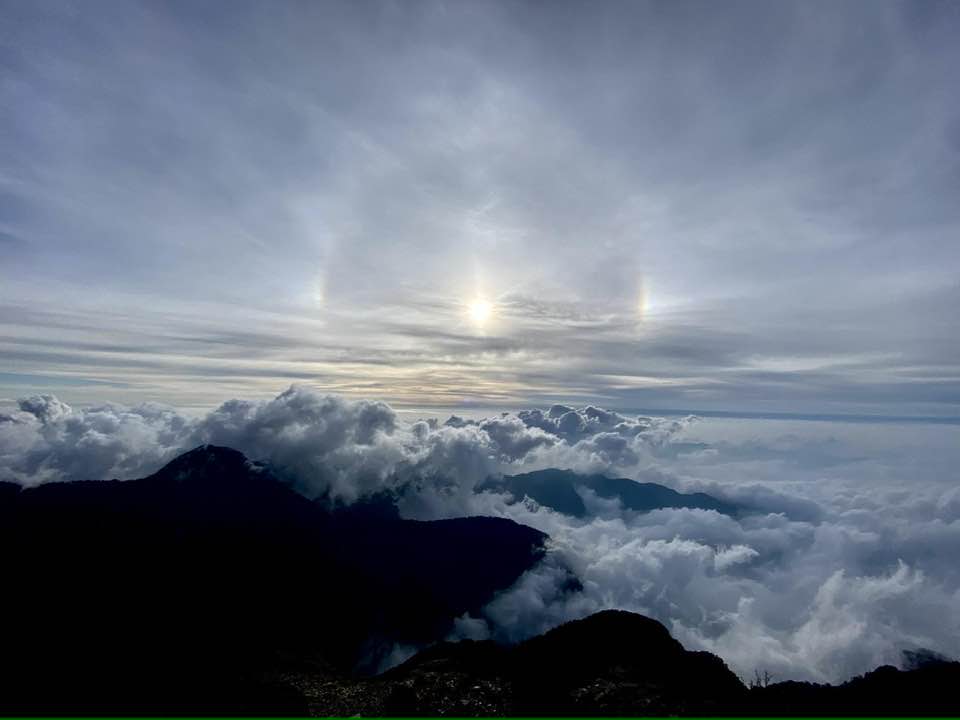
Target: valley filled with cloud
x,y
840,555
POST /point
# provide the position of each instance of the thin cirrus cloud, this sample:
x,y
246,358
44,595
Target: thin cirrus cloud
x,y
663,205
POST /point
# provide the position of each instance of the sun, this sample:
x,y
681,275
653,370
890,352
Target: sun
x,y
480,311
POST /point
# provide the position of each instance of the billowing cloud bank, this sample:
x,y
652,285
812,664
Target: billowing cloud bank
x,y
326,445
848,559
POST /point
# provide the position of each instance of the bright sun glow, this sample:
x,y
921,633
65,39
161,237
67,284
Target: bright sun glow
x,y
480,311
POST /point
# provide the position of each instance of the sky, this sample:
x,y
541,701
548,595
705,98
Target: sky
x,y
738,206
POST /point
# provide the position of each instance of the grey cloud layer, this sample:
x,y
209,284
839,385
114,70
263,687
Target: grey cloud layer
x,y
672,205
848,557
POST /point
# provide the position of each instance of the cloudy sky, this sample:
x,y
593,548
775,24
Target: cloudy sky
x,y
746,206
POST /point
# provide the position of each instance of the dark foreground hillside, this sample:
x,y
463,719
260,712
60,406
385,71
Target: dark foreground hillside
x,y
613,663
177,592
210,588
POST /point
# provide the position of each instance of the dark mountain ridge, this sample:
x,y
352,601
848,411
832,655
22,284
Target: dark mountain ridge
x,y
612,663
168,593
559,490
211,588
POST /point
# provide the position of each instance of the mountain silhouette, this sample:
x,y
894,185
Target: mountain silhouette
x,y
212,588
612,663
618,663
560,491
927,690
172,593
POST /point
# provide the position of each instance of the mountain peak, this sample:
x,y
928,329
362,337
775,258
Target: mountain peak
x,y
601,637
922,657
208,462
562,491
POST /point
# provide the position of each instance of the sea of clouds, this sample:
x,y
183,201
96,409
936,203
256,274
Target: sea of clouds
x,y
846,558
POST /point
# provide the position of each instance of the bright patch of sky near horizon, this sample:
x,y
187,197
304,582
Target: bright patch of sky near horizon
x,y
747,207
